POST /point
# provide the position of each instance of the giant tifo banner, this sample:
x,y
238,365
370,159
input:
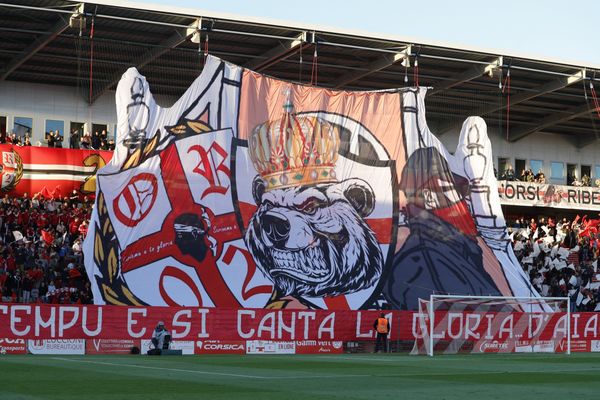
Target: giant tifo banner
x,y
120,327
49,171
250,192
531,194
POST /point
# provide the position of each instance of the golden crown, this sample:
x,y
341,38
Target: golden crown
x,y
295,150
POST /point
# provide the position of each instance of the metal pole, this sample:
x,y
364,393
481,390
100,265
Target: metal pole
x,y
431,325
568,325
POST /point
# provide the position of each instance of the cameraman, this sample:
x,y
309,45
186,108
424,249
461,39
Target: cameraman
x,y
158,336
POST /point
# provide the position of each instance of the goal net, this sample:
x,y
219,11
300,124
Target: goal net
x,y
489,324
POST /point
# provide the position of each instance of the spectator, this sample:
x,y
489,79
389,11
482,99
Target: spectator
x,y
86,141
50,139
509,173
58,140
74,139
96,141
585,180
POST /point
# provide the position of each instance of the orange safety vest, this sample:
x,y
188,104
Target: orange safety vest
x,y
382,325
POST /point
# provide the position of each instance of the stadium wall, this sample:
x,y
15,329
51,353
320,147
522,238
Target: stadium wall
x,y
546,147
52,102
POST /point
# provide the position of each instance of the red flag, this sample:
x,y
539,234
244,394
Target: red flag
x,y
44,192
56,193
47,237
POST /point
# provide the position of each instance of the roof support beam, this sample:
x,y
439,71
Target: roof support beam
x,y
39,43
180,36
550,120
548,87
375,66
278,53
470,74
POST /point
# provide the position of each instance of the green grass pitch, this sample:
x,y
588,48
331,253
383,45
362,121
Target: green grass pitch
x,y
348,376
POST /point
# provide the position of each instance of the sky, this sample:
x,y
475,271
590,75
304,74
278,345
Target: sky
x,y
550,29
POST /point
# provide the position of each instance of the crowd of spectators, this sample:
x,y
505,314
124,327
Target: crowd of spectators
x,y
561,258
87,141
41,252
526,175
13,138
97,141
41,249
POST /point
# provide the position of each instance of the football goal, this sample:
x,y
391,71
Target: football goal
x,y
493,324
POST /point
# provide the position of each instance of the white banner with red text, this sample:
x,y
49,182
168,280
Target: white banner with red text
x,y
531,194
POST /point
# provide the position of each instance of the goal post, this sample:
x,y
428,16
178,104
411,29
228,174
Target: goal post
x,y
450,324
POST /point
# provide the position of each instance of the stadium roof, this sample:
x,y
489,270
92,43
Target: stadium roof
x,y
67,43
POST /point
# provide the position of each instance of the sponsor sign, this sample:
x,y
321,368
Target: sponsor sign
x,y
270,347
594,345
319,346
577,346
12,346
56,346
186,346
110,346
493,346
220,347
542,346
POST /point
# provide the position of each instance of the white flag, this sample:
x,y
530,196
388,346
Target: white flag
x,y
18,235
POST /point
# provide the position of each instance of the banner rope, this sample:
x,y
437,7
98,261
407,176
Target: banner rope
x,y
596,104
315,67
92,57
300,64
416,69
506,87
594,97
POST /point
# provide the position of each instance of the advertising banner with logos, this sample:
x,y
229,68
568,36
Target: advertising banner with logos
x,y
186,346
270,347
319,346
13,346
56,346
110,346
59,329
220,347
531,194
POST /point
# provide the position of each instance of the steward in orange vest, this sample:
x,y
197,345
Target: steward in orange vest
x,y
382,326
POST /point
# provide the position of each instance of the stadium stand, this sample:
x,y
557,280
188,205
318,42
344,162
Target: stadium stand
x,y
41,257
40,250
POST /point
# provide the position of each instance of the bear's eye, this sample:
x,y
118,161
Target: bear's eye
x,y
310,205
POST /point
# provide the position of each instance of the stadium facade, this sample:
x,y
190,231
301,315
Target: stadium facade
x,y
62,60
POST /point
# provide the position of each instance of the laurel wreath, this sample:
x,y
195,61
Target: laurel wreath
x,y
106,257
88,186
148,147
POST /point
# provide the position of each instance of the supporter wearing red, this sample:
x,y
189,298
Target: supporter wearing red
x,y
38,260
